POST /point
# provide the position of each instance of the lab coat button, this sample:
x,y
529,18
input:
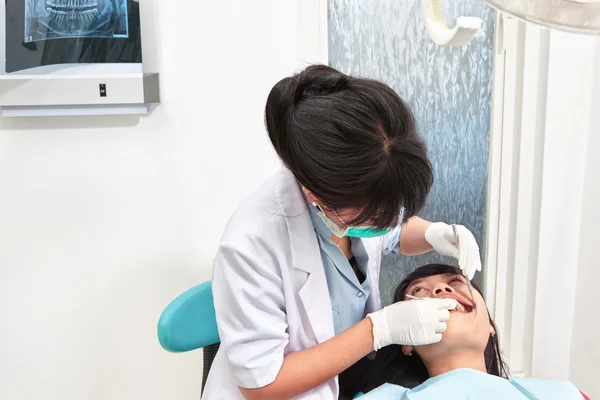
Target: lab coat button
x,y
360,294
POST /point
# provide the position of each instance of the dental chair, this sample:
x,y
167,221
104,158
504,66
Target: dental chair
x,y
189,323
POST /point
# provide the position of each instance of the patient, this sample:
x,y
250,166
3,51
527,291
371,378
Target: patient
x,y
467,362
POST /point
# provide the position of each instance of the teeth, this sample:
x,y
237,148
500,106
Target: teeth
x,y
72,4
90,15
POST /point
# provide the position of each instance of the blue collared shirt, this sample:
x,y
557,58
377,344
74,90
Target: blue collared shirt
x,y
348,296
392,246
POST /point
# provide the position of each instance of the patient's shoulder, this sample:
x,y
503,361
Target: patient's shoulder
x,y
546,389
386,391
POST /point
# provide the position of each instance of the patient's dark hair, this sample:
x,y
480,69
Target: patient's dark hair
x,y
353,142
392,366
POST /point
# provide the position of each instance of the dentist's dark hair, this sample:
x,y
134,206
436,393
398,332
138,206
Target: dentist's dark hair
x,y
393,366
353,142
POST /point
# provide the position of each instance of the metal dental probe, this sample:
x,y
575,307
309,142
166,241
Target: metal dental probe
x,y
468,280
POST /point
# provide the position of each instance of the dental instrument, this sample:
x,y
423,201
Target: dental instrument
x,y
469,286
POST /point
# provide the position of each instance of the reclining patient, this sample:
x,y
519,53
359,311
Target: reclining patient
x,y
466,364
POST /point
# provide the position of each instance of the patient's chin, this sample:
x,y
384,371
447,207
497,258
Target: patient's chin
x,y
462,335
454,341
465,331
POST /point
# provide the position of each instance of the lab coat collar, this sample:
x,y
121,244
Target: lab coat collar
x,y
305,252
301,230
306,256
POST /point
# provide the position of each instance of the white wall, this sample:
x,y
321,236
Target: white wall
x,y
543,217
103,220
585,349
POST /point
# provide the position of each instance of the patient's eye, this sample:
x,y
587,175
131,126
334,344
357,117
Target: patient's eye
x,y
457,279
416,290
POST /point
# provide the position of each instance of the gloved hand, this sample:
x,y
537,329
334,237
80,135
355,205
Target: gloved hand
x,y
463,246
416,322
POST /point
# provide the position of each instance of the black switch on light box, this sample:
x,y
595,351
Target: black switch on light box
x,y
103,90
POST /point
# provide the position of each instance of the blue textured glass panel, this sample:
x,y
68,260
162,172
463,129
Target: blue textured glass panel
x,y
449,91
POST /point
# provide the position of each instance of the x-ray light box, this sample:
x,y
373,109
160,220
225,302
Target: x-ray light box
x,y
63,57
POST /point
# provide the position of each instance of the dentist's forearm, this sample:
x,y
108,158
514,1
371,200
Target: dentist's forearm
x,y
412,237
307,369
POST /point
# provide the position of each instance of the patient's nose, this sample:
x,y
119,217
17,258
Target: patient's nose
x,y
441,289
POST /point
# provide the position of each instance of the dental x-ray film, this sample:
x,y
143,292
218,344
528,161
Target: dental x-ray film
x,y
46,32
53,19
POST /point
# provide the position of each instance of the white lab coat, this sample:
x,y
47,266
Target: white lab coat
x,y
270,291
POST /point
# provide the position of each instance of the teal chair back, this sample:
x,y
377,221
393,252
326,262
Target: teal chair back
x,y
189,323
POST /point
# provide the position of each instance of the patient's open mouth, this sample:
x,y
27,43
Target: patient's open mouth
x,y
462,305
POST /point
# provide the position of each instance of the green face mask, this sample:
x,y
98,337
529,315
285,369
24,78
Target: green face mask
x,y
363,232
366,232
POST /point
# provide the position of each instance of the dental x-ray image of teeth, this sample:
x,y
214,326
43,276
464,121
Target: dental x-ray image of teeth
x,y
51,19
41,33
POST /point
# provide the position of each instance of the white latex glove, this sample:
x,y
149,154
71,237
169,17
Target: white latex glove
x,y
463,246
416,322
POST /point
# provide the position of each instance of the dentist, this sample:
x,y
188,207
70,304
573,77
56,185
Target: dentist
x,y
296,276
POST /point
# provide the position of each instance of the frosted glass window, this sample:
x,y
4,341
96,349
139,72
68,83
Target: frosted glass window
x,y
449,91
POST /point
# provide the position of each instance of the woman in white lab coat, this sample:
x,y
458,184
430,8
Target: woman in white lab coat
x,y
296,276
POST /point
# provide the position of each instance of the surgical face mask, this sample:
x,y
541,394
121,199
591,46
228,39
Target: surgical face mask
x,y
363,232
